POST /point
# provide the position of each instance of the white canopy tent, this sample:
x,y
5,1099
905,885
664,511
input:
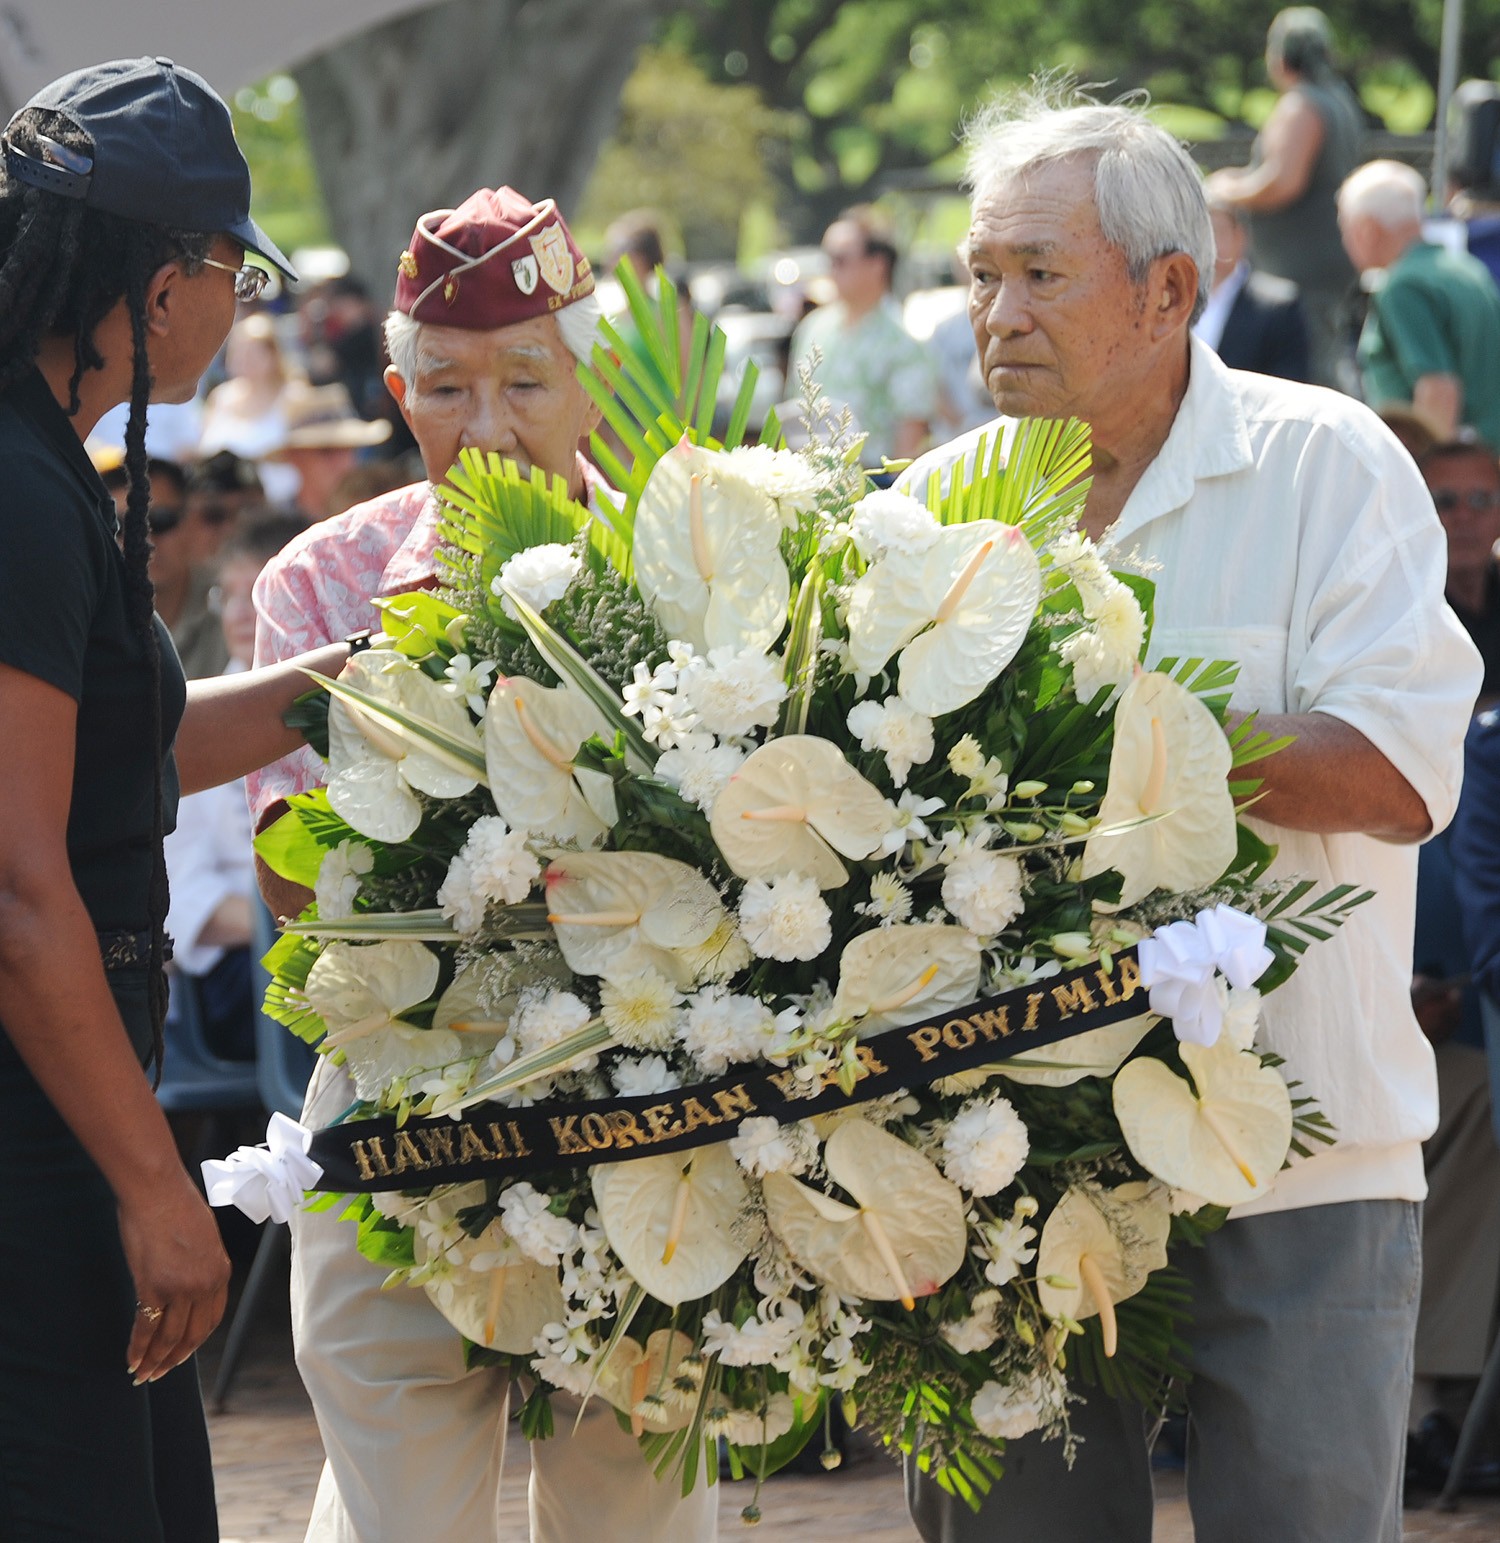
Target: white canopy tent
x,y
231,44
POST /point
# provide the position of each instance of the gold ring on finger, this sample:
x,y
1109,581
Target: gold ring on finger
x,y
150,1314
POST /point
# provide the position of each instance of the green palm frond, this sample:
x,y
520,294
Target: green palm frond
x,y
651,392
1035,478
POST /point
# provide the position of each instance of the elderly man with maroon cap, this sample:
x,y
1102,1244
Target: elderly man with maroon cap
x,y
494,308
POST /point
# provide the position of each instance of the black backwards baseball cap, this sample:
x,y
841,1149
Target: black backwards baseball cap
x,y
164,152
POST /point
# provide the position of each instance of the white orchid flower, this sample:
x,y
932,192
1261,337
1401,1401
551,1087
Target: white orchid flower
x,y
531,735
957,610
793,806
707,553
1170,759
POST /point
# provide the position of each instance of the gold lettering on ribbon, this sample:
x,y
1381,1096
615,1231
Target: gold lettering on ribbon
x,y
1106,987
734,1102
1074,997
370,1158
438,1140
993,1025
1033,1008
959,1034
596,1131
565,1133
925,1041
471,1145
662,1121
1130,978
696,1113
407,1155
625,1130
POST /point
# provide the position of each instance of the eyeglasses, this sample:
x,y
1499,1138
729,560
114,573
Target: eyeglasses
x,y
249,281
1477,500
161,518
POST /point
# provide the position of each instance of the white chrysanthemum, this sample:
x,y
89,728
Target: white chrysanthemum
x,y
785,478
886,521
469,680
1008,1246
889,902
1005,1414
965,757
983,890
526,1216
899,732
764,1145
720,1027
544,1020
338,877
985,1145
494,864
641,1011
979,1330
786,918
699,769
734,690
721,956
538,576
1108,650
648,1074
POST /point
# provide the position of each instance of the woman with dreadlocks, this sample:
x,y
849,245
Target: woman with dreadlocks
x,y
124,222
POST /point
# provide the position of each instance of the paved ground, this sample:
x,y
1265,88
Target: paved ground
x,y
267,1458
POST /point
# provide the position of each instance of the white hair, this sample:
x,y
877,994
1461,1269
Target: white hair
x,y
1391,193
577,325
1148,192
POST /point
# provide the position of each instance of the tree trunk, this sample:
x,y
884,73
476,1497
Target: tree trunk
x,y
418,113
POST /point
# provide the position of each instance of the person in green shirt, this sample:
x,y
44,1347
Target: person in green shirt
x,y
1432,333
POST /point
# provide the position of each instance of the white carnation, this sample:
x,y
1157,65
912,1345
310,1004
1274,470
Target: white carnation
x,y
887,521
1241,1016
985,1145
545,1020
338,877
538,576
979,1330
720,1027
785,919
785,478
648,1074
1107,651
1005,1414
764,1145
526,1216
700,769
494,864
899,732
983,890
641,1011
734,690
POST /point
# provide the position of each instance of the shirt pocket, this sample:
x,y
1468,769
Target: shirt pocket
x,y
1260,652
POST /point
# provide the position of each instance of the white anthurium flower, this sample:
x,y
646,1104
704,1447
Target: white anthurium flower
x,y
902,1239
901,974
707,553
620,913
1170,759
360,993
503,1307
671,1219
480,1016
957,611
1223,1136
638,1381
1094,1053
1085,1264
531,734
793,807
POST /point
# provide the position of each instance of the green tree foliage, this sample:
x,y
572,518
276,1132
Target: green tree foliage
x,y
288,201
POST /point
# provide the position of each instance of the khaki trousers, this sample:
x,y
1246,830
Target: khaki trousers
x,y
414,1442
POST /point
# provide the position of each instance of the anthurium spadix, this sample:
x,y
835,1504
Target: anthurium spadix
x,y
1094,1053
671,1219
793,807
531,735
897,975
1097,1248
903,1237
1167,818
360,993
621,913
637,1380
1227,1140
503,1306
708,553
957,611
374,763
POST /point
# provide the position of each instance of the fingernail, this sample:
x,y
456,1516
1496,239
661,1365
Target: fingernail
x,y
140,1382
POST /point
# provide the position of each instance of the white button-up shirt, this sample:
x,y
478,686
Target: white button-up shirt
x,y
1285,528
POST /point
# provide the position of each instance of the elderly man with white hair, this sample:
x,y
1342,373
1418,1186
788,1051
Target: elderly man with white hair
x,y
494,309
1432,332
1285,529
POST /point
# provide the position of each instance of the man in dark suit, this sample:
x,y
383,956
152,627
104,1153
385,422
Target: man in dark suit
x,y
1252,320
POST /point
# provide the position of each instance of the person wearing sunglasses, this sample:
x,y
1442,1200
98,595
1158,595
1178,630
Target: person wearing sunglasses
x,y
124,229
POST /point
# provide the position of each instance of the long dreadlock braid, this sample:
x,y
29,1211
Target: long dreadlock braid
x,y
65,267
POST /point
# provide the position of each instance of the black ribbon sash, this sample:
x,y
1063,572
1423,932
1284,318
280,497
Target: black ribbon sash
x,y
495,1141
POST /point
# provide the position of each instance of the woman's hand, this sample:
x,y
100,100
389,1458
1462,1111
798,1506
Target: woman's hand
x,y
179,1266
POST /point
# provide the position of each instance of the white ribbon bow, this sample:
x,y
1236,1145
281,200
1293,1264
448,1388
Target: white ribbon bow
x,y
1180,964
266,1181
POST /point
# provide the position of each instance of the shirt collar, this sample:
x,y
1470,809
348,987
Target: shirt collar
x,y
1208,438
32,396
